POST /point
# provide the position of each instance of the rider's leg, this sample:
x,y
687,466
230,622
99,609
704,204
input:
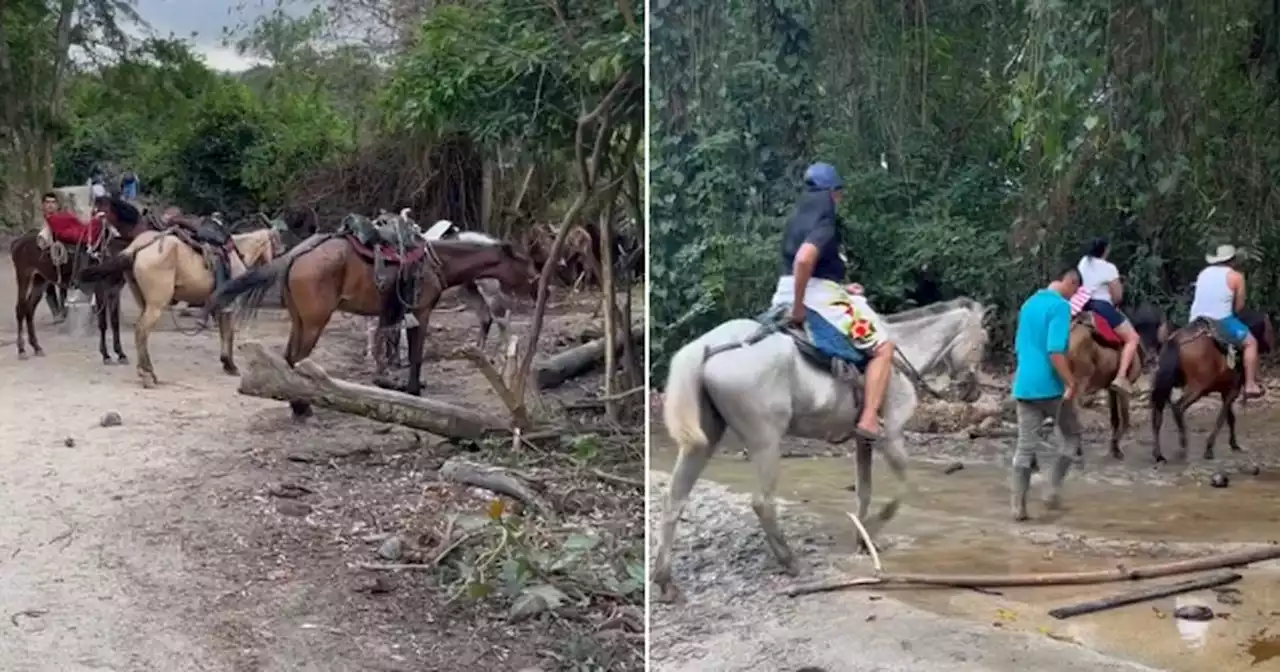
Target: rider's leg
x,y
878,372
1127,354
1251,367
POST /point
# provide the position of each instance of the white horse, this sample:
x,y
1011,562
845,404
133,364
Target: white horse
x,y
767,390
484,297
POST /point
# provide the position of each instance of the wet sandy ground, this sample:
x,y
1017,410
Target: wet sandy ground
x,y
1119,512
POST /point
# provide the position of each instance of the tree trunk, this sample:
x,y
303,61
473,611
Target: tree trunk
x,y
556,369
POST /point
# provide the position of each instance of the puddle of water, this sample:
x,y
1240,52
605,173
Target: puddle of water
x,y
959,525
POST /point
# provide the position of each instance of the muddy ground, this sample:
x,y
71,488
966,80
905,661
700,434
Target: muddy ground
x,y
1129,512
208,532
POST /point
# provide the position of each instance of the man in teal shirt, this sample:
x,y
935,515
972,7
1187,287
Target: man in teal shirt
x,y
1044,388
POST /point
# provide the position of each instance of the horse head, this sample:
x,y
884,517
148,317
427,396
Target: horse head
x,y
1259,324
1152,326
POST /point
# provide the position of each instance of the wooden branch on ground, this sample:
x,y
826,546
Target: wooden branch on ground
x,y
267,375
503,386
993,433
556,369
1120,573
1144,594
495,479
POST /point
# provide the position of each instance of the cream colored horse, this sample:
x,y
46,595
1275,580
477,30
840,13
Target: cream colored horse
x,y
166,270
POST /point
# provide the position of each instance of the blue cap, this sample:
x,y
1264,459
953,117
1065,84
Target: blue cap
x,y
823,177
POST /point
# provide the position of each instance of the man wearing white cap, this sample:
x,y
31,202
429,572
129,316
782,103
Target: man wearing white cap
x,y
1220,293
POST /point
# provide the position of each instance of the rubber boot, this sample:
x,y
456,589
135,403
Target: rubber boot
x,y
1019,484
1057,476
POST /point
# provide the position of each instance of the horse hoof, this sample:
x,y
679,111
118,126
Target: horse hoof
x,y
23,356
1159,459
1237,449
669,594
230,369
1208,457
39,352
106,361
121,359
1117,454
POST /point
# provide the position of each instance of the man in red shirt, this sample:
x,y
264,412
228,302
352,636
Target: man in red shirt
x,y
66,227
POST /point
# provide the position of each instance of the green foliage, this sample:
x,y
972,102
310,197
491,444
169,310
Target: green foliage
x,y
514,70
987,142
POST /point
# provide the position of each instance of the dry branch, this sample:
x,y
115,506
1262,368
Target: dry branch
x,y
495,479
556,369
1120,573
1144,594
267,375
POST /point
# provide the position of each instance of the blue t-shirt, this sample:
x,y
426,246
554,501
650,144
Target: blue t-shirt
x,y
1044,328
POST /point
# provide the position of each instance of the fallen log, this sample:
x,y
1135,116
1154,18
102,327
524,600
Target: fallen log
x,y
1144,594
553,371
265,374
495,479
1120,573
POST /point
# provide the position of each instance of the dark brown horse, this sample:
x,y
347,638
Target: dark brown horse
x,y
332,272
38,274
1195,360
1094,355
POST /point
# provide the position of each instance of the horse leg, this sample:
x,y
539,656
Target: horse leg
x,y
100,312
113,297
227,335
307,337
417,337
32,302
862,455
20,312
1231,423
690,463
1179,408
1227,399
475,302
763,444
1119,422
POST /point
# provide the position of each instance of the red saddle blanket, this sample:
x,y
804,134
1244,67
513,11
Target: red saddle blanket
x,y
1105,332
388,252
67,228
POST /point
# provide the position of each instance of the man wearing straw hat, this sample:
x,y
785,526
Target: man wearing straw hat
x,y
1220,293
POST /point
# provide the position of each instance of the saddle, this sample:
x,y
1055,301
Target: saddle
x,y
396,249
1203,326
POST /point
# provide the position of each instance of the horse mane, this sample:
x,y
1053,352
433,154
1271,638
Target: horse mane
x,y
126,213
935,309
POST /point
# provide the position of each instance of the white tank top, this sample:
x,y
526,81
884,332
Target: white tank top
x,y
1214,299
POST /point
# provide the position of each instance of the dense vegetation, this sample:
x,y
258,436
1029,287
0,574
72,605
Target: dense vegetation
x,y
466,111
983,141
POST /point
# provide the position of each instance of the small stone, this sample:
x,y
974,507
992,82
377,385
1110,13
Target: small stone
x,y
376,585
392,549
111,419
1193,612
69,442
293,508
953,468
1253,470
1219,480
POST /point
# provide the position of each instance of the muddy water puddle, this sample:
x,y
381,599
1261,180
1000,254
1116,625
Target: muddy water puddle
x,y
958,525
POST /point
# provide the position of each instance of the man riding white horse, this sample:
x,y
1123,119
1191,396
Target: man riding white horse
x,y
812,277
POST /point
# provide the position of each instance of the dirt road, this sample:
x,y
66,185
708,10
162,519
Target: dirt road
x,y
207,532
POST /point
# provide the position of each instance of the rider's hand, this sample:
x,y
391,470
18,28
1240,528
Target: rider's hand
x,y
1070,392
797,314
855,289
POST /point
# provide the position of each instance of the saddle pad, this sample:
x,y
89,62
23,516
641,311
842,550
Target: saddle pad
x,y
389,253
827,340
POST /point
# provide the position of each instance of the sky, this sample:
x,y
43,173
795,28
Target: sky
x,y
206,18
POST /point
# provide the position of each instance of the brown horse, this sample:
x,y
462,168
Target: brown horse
x,y
334,272
1094,356
1195,360
163,267
38,274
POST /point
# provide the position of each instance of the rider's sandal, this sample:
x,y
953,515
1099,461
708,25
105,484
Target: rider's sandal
x,y
868,436
1255,395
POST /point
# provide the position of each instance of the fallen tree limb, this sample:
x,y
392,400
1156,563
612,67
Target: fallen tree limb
x,y
1144,594
267,375
555,370
1120,573
495,479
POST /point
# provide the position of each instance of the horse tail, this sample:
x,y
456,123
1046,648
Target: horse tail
x,y
257,281
1168,368
685,397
